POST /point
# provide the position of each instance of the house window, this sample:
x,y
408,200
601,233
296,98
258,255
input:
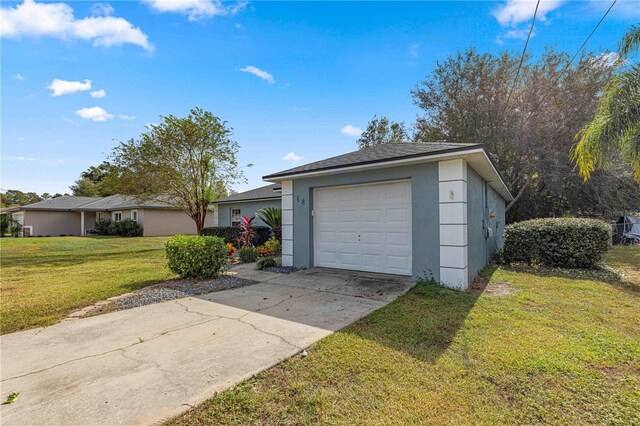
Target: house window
x,y
116,216
235,217
134,215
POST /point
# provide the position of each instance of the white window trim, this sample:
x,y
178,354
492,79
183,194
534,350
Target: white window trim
x,y
137,215
113,216
239,218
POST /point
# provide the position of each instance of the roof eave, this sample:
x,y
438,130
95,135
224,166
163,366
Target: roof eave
x,y
495,180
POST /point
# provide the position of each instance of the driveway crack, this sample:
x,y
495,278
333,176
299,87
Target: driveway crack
x,y
141,341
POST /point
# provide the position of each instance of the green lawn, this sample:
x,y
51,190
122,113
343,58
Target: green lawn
x,y
44,279
557,350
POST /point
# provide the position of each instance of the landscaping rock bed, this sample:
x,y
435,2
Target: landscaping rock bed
x,y
162,292
281,269
178,289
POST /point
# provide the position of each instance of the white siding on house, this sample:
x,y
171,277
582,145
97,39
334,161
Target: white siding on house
x,y
287,223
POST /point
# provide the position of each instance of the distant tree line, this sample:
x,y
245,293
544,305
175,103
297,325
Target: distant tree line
x,y
14,197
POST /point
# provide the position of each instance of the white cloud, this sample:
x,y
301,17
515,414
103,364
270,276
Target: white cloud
x,y
67,120
196,10
63,87
31,19
102,9
98,93
292,156
94,114
300,109
31,95
126,117
414,50
17,77
21,158
518,34
350,130
259,73
514,12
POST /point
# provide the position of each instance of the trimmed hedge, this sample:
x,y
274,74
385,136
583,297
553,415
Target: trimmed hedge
x,y
565,242
124,228
231,233
196,257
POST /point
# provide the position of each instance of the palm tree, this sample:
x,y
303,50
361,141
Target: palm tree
x,y
272,216
616,126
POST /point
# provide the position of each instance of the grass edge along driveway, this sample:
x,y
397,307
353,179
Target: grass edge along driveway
x,y
564,347
45,279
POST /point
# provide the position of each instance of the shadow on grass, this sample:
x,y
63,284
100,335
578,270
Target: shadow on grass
x,y
423,323
603,274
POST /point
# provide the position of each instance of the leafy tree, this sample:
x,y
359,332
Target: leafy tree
x,y
14,197
189,162
616,127
381,130
83,187
465,99
97,181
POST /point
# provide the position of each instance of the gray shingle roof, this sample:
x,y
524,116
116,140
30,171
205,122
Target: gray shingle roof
x,y
261,193
377,154
113,202
117,202
66,202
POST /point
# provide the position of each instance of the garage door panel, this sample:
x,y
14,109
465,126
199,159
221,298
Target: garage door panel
x,y
371,216
327,237
365,227
348,237
400,239
350,260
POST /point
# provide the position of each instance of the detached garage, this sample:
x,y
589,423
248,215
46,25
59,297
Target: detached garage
x,y
419,209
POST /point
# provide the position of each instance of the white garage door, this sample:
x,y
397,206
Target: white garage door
x,y
363,227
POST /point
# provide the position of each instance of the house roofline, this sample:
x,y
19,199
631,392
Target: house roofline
x,y
503,190
275,177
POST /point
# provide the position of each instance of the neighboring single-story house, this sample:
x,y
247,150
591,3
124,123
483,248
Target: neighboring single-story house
x,y
228,211
70,215
419,209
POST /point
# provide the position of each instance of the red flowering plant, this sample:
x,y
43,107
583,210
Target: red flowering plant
x,y
246,232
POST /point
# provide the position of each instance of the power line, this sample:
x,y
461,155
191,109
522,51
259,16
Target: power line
x,y
573,58
524,51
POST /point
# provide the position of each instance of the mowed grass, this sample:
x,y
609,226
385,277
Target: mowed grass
x,y
559,349
44,279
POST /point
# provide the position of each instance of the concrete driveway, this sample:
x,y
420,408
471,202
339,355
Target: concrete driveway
x,y
146,364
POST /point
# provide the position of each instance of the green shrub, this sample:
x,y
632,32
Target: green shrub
x,y
101,226
565,242
231,233
125,228
196,257
266,262
248,254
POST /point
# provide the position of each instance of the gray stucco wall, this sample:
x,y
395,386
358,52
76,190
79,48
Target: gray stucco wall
x,y
482,201
248,208
425,212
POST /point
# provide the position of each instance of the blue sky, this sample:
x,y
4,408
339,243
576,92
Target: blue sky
x,y
289,77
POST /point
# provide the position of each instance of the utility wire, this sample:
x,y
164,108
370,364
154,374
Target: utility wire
x,y
524,51
573,58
